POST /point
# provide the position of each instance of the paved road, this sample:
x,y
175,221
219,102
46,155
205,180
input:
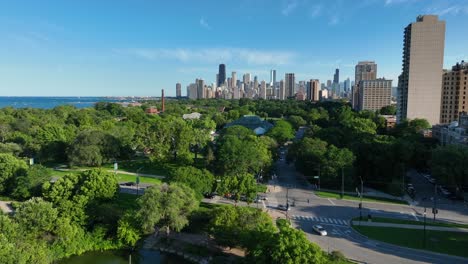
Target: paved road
x,y
308,209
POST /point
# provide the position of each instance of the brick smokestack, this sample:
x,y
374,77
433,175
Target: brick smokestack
x,y
162,99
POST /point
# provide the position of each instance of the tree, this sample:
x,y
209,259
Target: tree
x,y
127,233
10,167
73,193
388,110
166,206
239,226
36,216
288,246
282,131
239,185
31,183
93,147
449,166
201,181
296,121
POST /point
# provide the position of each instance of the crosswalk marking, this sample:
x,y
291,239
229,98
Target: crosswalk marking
x,y
325,220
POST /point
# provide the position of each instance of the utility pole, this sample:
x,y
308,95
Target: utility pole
x,y
342,182
360,203
434,209
424,235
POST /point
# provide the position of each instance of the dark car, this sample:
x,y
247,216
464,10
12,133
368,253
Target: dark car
x,y
210,195
129,184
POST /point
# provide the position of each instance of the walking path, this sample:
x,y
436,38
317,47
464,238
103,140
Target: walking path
x,y
428,227
121,172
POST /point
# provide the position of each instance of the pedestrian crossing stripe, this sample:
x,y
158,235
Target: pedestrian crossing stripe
x,y
324,220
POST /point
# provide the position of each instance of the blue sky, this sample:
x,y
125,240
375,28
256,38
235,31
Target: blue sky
x,y
138,47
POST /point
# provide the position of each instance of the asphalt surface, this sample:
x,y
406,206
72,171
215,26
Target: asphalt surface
x,y
307,209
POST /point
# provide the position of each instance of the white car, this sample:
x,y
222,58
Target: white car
x,y
320,230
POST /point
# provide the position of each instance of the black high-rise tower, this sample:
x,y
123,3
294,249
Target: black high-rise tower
x,y
221,74
336,77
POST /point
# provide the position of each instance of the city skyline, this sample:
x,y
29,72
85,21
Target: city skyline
x,y
139,48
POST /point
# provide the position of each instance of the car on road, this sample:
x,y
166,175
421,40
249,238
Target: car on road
x,y
129,184
320,230
283,207
210,195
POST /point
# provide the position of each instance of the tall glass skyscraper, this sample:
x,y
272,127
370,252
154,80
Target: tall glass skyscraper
x,y
221,75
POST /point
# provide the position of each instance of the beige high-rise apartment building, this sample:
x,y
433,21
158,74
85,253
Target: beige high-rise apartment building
x,y
420,83
281,95
178,90
364,70
454,97
374,94
289,84
313,89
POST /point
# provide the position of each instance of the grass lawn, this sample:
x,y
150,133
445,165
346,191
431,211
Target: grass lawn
x,y
452,243
120,177
337,195
143,166
429,222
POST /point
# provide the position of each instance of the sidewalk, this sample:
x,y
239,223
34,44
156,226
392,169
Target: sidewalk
x,y
5,207
121,172
428,227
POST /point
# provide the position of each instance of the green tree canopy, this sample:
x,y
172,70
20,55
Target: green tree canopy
x,y
10,167
200,180
282,131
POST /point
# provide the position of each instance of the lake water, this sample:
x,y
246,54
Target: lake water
x,y
143,256
51,102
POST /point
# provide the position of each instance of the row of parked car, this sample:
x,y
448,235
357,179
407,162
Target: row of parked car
x,y
443,190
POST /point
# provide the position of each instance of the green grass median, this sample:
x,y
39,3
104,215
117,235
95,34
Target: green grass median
x,y
429,222
337,195
120,177
452,243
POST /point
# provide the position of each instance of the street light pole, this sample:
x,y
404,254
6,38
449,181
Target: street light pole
x,y
360,203
434,210
424,235
342,183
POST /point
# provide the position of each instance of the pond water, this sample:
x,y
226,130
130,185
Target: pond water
x,y
142,256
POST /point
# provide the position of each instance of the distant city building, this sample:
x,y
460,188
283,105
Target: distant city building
x,y
289,83
221,75
200,89
419,85
247,78
329,83
313,89
323,94
233,79
272,77
192,91
364,70
374,94
262,93
454,98
347,85
455,133
178,88
282,93
336,76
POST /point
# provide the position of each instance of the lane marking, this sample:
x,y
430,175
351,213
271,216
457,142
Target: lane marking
x,y
417,219
331,201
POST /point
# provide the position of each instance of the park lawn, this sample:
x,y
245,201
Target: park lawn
x,y
336,195
120,177
143,166
429,222
453,243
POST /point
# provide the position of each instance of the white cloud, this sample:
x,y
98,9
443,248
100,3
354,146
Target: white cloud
x,y
290,6
448,10
213,55
204,23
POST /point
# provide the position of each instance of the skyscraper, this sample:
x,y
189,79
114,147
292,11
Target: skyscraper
x,y
200,88
281,95
272,77
221,75
313,89
454,85
336,76
234,79
329,83
247,78
364,70
420,83
262,93
347,85
178,88
289,83
374,94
